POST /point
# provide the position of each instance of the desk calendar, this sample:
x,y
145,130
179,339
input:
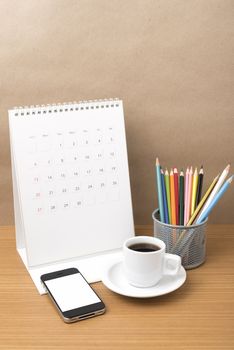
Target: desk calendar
x,y
72,198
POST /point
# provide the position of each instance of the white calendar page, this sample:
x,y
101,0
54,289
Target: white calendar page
x,y
71,187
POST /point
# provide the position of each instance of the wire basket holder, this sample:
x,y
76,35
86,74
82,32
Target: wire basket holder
x,y
189,242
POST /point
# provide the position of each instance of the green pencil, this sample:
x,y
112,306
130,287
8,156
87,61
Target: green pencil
x,y
167,185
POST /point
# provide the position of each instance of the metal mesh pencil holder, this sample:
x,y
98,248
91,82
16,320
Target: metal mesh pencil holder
x,y
189,242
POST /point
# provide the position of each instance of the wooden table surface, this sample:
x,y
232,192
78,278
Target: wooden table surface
x,y
199,315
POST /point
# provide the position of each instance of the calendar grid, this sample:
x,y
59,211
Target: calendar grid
x,y
71,186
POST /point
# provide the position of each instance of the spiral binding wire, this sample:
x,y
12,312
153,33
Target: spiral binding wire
x,y
66,107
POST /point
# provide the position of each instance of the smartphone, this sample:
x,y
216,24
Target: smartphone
x,y
72,295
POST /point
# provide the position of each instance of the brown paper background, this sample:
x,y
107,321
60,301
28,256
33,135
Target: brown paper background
x,y
170,61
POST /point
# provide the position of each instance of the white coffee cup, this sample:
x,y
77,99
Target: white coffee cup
x,y
146,268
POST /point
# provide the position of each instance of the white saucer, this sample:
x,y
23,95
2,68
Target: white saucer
x,y
115,280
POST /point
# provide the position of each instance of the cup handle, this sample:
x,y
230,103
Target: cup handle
x,y
171,264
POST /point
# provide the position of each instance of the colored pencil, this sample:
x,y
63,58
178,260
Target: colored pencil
x,y
186,218
173,209
201,203
167,185
194,191
199,186
159,187
189,193
181,206
215,190
176,195
214,201
192,219
164,198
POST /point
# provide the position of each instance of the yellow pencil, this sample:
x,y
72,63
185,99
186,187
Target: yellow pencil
x,y
194,191
190,184
200,205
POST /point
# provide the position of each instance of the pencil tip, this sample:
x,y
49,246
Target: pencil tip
x,y
157,161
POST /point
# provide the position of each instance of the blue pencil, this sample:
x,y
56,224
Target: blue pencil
x,y
215,200
166,217
159,187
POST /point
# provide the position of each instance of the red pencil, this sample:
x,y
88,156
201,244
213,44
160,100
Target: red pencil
x,y
176,195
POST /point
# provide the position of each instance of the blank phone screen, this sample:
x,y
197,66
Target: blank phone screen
x,y
71,292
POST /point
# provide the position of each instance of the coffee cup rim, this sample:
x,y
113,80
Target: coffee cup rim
x,y
140,239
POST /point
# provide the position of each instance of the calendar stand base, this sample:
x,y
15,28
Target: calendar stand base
x,y
91,266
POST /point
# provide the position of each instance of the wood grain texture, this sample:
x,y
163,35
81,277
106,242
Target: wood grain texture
x,y
199,315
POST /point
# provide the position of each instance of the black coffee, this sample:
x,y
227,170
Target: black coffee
x,y
144,247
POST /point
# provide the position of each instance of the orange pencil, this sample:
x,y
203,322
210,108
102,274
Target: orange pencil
x,y
176,195
173,209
